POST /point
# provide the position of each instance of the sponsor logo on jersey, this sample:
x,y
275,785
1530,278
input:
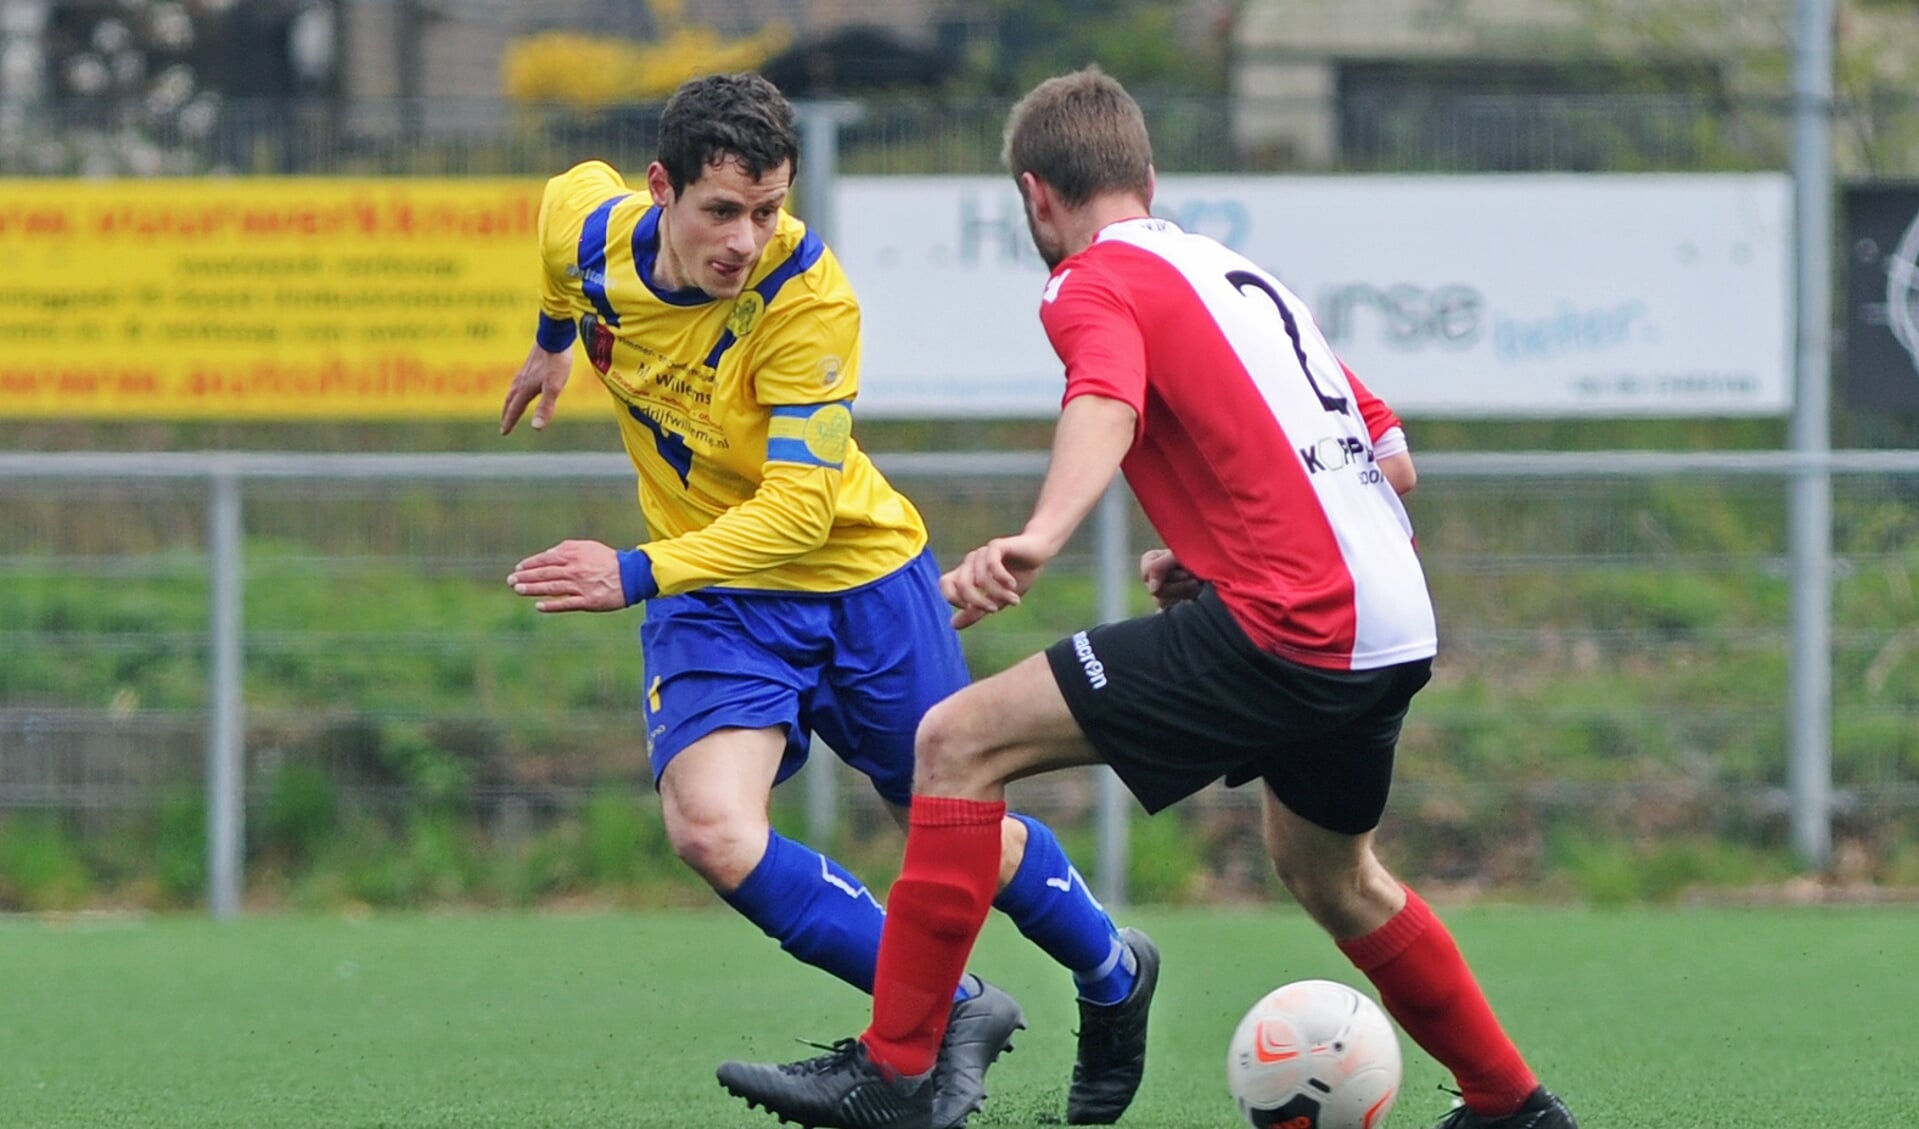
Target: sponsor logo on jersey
x,y
1335,452
599,343
589,276
1089,663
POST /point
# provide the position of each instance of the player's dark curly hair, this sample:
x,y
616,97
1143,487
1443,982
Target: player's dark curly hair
x,y
742,116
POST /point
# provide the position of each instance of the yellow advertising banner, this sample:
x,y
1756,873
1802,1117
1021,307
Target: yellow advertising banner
x,y
282,299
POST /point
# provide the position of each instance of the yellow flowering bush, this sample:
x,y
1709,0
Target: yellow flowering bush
x,y
590,72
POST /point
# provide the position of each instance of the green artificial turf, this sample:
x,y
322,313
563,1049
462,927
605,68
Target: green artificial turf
x,y
1675,1018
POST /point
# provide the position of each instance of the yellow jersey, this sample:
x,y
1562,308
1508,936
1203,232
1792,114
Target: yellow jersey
x,y
736,412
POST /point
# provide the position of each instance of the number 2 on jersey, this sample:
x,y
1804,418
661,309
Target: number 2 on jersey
x,y
1241,279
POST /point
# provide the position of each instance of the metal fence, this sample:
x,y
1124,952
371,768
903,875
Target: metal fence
x,y
1615,645
906,134
1633,613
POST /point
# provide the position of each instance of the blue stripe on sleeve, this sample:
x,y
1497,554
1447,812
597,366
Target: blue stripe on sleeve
x,y
795,451
592,259
636,576
555,335
794,448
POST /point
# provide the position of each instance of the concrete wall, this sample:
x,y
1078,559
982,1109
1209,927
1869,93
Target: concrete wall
x,y
1287,52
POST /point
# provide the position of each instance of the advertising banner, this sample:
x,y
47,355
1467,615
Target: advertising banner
x,y
1481,296
285,298
1882,296
1485,296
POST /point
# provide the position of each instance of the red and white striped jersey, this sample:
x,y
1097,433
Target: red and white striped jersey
x,y
1254,454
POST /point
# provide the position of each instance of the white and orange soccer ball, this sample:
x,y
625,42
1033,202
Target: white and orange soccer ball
x,y
1314,1054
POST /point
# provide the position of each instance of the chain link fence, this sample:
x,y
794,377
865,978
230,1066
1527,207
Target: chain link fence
x,y
904,134
1608,711
1613,669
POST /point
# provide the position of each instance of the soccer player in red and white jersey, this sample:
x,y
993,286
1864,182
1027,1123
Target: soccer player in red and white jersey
x,y
1295,625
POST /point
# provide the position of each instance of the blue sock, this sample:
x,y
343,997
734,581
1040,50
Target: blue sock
x,y
814,909
1049,902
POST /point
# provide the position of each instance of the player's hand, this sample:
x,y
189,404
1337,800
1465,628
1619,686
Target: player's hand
x,y
992,577
542,374
573,576
1166,579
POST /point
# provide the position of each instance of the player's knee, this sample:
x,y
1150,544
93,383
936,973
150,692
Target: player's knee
x,y
1320,890
1012,848
1344,898
944,749
720,850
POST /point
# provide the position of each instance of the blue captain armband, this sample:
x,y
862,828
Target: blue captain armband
x,y
636,576
555,335
810,434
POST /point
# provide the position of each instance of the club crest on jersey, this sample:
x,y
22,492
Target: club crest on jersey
x,y
746,313
831,367
827,433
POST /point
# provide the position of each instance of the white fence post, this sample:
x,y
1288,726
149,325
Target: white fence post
x,y
1112,565
820,124
226,722
1809,496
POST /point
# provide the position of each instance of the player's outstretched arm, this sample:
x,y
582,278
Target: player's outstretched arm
x,y
1092,437
542,375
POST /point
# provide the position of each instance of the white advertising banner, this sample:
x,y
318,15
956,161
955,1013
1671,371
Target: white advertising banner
x,y
1452,296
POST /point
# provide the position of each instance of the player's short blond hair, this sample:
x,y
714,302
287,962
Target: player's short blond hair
x,y
1083,135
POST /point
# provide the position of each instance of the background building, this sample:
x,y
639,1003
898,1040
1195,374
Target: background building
x,y
1535,84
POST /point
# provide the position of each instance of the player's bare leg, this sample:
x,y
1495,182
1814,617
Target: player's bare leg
x,y
1013,725
1009,726
714,797
1336,878
1393,937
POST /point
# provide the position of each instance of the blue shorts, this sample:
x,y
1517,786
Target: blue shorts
x,y
859,668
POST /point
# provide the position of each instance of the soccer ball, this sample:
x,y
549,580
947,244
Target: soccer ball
x,y
1314,1054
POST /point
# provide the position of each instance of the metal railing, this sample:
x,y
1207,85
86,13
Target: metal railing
x,y
907,134
1664,564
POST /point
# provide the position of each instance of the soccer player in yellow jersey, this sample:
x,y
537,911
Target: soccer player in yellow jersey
x,y
788,587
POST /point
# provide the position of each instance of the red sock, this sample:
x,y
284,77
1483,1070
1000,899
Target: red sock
x,y
1425,985
933,915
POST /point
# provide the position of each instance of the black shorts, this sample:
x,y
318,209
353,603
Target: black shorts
x,y
1177,700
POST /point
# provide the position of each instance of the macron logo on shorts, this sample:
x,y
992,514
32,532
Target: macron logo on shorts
x,y
1088,661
